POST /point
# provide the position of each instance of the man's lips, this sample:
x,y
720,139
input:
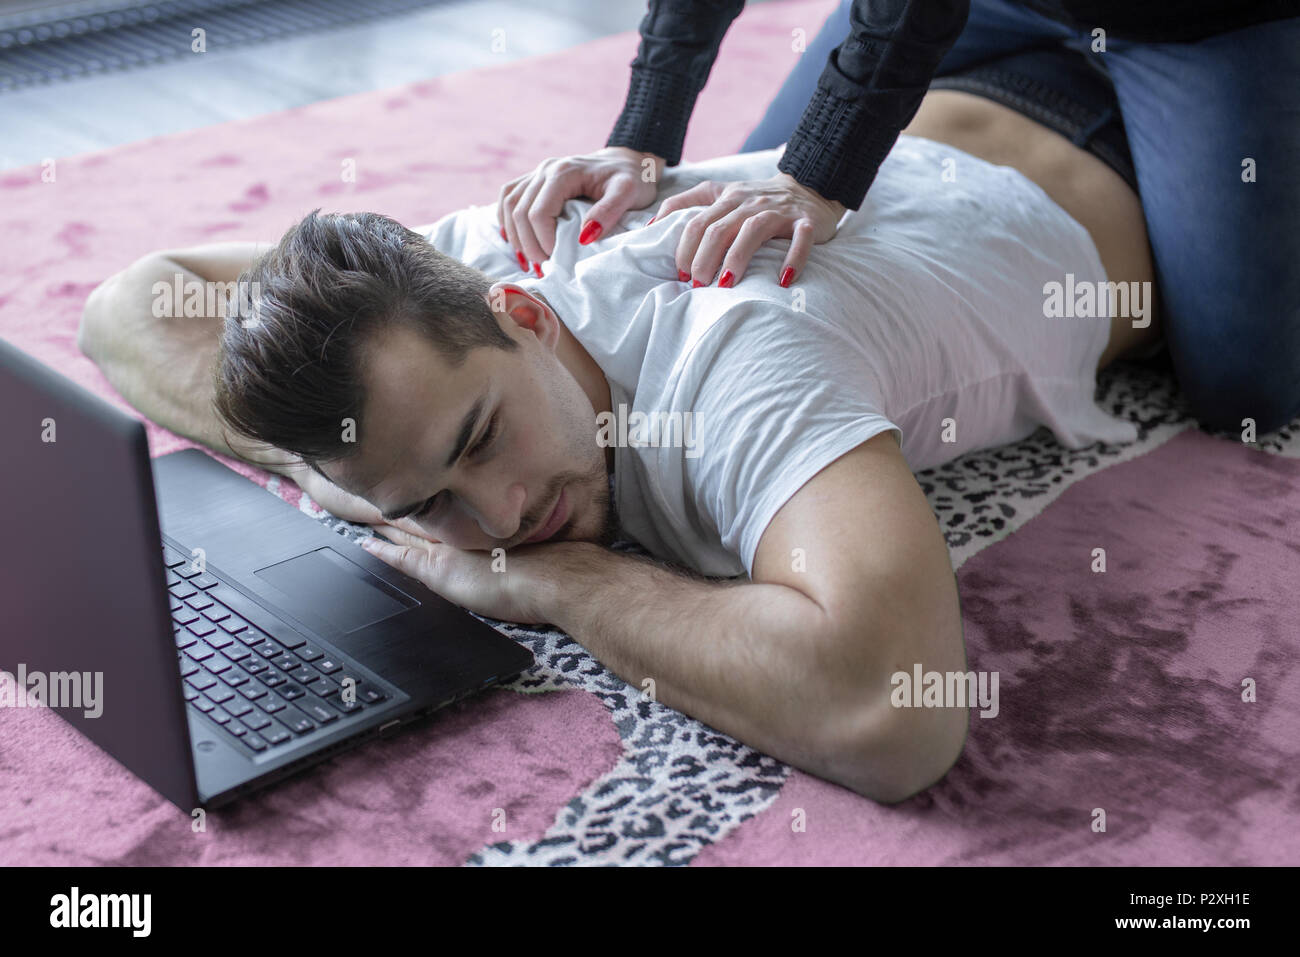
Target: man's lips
x,y
559,515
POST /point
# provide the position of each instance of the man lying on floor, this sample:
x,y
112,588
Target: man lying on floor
x,y
484,419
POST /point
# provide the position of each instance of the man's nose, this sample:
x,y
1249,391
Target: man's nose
x,y
500,513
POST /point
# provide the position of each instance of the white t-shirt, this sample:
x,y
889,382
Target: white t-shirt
x,y
927,306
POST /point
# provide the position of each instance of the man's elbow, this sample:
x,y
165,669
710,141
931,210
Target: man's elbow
x,y
904,751
115,304
95,333
90,330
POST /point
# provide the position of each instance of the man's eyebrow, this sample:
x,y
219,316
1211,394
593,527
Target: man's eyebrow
x,y
467,428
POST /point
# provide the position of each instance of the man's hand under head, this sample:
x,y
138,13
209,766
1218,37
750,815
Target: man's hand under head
x,y
475,580
336,501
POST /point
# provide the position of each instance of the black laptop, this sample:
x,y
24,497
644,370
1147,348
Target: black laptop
x,y
243,643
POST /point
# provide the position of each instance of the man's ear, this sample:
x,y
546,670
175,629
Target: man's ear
x,y
495,297
533,306
499,292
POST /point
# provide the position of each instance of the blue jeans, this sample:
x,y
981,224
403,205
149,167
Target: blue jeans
x,y
1226,251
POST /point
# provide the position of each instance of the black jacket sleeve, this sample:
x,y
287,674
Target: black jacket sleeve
x,y
870,89
679,42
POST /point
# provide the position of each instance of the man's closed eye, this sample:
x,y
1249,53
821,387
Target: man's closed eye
x,y
479,449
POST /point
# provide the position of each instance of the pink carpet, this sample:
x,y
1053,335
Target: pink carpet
x,y
1119,691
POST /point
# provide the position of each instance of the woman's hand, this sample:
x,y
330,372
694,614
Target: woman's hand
x,y
616,177
743,215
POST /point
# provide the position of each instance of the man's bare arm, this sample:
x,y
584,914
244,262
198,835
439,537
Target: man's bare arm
x,y
752,659
164,365
797,662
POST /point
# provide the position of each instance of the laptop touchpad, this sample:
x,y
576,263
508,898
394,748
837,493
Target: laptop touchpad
x,y
324,584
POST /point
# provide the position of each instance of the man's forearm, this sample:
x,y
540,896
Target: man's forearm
x,y
162,365
758,661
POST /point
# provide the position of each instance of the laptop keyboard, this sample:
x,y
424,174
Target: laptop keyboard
x,y
265,691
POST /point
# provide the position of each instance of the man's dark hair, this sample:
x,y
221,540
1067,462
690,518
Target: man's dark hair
x,y
296,331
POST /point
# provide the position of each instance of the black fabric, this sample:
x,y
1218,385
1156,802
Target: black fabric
x,y
1163,21
1059,88
679,42
870,89
872,84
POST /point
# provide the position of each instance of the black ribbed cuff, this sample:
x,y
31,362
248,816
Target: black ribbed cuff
x,y
839,144
656,113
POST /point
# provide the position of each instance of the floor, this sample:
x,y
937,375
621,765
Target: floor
x,y
64,118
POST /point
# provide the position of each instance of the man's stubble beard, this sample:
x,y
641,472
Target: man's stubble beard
x,y
611,529
608,529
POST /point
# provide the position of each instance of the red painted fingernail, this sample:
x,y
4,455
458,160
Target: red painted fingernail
x,y
786,275
683,276
651,220
589,232
725,279
537,268
696,284
503,234
523,263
